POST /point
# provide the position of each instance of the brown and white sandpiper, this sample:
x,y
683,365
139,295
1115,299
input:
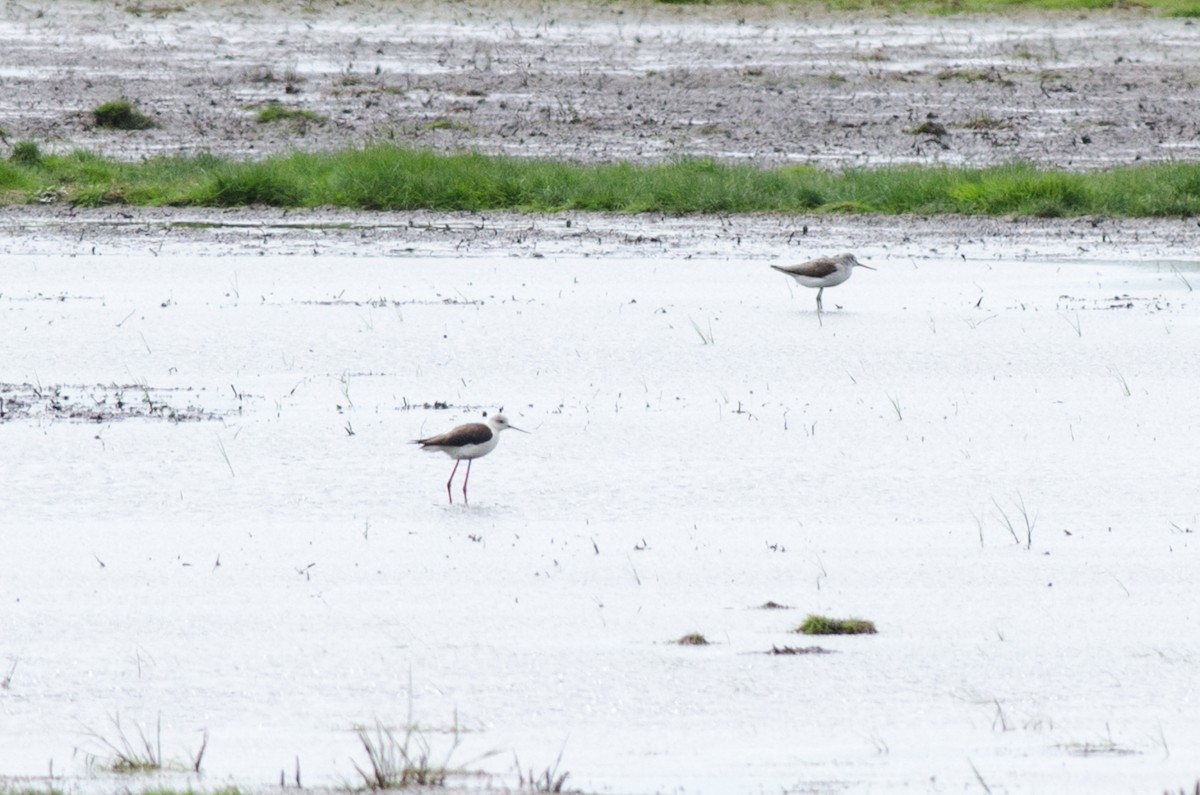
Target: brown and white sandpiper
x,y
822,272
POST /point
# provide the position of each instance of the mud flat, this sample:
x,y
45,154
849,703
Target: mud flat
x,y
605,81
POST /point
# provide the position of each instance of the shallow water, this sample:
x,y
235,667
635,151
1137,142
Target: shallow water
x,y
275,580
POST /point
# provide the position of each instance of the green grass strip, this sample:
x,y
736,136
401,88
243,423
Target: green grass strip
x,y
387,177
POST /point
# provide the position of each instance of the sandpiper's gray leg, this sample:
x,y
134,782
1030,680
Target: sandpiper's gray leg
x,y
819,292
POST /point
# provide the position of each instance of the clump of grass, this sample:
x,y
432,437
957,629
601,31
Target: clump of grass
x,y
706,338
929,128
444,123
989,75
693,639
275,112
823,625
1029,521
404,759
121,114
549,780
125,755
156,11
25,153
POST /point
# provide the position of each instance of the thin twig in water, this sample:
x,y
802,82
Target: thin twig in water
x,y
1075,324
198,757
225,455
6,682
1182,278
979,778
1029,523
895,401
1115,373
1007,522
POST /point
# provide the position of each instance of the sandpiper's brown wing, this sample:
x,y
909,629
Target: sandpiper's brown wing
x,y
814,268
463,435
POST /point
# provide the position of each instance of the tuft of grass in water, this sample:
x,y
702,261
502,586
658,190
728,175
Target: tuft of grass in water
x,y
388,177
405,758
693,639
126,755
823,625
275,112
398,760
549,780
1006,520
120,114
706,337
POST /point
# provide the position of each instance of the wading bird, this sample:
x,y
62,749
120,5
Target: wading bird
x,y
822,272
470,441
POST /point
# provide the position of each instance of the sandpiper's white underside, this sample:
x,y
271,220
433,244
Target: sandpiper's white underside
x,y
461,451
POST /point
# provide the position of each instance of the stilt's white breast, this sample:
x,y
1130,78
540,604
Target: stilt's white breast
x,y
471,450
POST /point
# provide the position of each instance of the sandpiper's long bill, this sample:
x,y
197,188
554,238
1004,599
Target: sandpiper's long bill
x,y
470,441
822,272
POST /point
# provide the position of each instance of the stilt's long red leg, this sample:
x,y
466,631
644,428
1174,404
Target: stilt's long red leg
x,y
451,480
466,479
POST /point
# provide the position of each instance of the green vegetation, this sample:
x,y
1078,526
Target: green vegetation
x,y
274,112
387,177
693,639
25,153
396,760
823,625
156,11
120,114
123,754
442,123
1172,8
